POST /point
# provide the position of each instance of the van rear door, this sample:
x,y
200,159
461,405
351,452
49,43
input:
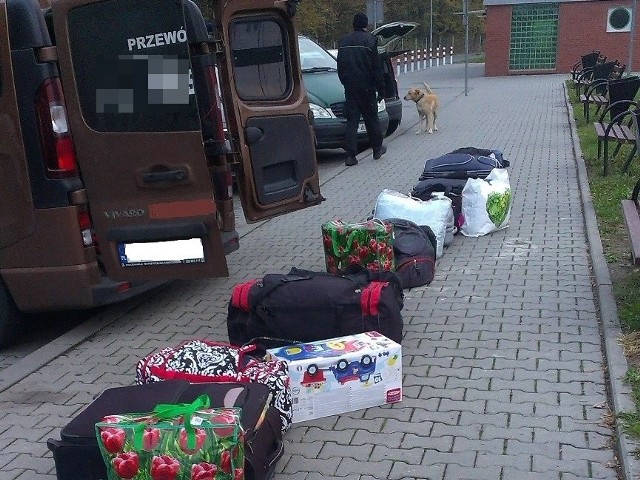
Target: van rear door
x,y
269,114
133,114
17,219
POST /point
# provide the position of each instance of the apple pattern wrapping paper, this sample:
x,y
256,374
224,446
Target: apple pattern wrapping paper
x,y
369,244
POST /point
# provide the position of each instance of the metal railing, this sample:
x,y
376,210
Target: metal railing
x,y
425,58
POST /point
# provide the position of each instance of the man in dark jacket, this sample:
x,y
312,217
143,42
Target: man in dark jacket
x,y
360,71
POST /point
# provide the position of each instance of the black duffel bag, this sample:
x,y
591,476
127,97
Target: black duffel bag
x,y
306,306
414,249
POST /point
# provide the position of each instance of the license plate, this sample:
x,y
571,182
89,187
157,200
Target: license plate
x,y
362,128
161,253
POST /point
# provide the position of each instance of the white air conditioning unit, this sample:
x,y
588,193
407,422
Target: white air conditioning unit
x,y
619,19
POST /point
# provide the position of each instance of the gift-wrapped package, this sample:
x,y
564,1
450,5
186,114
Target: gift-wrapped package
x,y
174,442
369,244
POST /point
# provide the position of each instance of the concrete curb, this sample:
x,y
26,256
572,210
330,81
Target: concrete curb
x,y
616,362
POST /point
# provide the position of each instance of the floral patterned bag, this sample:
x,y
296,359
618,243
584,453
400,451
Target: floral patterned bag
x,y
368,244
208,361
174,442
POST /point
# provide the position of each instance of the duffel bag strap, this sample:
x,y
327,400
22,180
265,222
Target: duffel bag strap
x,y
283,342
240,295
370,299
266,287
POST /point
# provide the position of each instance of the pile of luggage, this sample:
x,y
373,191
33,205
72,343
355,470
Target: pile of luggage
x,y
477,183
221,409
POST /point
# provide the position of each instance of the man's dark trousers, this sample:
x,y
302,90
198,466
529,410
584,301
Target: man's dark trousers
x,y
363,102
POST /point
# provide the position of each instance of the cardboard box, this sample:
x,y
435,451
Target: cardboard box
x,y
342,374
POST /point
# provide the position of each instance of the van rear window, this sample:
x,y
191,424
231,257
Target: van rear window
x,y
131,65
259,59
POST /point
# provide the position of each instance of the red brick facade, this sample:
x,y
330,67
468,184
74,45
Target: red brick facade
x,y
582,27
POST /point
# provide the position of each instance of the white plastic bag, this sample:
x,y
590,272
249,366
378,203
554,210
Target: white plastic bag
x,y
486,204
436,213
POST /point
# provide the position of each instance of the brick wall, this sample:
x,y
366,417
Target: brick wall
x,y
498,36
582,27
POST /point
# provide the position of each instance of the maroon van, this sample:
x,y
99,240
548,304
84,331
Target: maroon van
x,y
122,123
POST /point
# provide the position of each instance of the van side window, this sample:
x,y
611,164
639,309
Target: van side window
x,y
259,53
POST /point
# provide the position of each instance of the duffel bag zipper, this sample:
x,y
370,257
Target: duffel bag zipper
x,y
414,261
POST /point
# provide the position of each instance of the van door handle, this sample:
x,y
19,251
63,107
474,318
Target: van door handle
x,y
253,135
167,176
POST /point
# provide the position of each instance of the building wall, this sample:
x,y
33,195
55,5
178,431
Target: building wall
x,y
582,27
498,37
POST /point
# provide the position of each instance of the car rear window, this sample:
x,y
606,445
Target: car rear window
x,y
131,67
259,54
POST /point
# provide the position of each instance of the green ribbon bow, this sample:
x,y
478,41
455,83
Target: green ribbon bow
x,y
167,411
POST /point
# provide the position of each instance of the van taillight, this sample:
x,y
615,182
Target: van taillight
x,y
58,151
84,220
216,113
123,287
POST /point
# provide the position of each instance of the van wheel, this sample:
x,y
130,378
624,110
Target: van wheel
x,y
393,126
10,317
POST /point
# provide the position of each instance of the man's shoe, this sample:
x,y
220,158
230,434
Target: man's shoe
x,y
351,161
379,152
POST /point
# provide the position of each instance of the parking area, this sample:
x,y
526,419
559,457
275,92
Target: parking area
x,y
504,360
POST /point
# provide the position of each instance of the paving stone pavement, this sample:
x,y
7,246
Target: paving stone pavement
x,y
504,357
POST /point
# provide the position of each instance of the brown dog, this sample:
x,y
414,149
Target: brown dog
x,y
427,104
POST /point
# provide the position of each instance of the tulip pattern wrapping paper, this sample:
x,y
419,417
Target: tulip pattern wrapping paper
x,y
368,244
174,442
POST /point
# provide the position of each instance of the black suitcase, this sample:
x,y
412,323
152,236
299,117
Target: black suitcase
x,y
463,163
77,455
305,306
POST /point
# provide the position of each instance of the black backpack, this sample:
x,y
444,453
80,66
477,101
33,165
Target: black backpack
x,y
414,249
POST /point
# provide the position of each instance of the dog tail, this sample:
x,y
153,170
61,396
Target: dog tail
x,y
426,85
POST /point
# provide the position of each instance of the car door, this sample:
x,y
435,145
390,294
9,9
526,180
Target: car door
x,y
389,34
267,108
125,72
17,219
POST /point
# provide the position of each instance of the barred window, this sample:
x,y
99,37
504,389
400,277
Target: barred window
x,y
534,36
